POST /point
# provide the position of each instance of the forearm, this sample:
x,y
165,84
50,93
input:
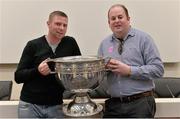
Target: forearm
x,y
25,75
147,72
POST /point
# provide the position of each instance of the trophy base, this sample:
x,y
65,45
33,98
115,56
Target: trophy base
x,y
82,106
82,112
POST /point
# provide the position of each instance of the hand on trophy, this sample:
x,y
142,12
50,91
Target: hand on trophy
x,y
118,67
43,68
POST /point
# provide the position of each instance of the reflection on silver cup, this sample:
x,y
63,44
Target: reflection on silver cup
x,y
80,74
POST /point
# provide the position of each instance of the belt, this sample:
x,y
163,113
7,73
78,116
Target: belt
x,y
131,98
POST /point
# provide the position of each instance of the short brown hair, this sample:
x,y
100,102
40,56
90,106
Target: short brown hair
x,y
58,13
119,5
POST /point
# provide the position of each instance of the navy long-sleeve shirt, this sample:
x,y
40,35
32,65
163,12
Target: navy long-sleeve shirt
x,y
39,89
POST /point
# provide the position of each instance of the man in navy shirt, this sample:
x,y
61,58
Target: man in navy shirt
x,y
42,94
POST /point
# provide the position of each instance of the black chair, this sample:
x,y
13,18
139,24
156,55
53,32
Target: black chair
x,y
167,87
5,90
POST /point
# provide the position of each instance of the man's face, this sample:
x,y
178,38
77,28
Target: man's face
x,y
118,21
58,26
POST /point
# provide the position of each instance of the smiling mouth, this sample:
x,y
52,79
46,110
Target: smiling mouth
x,y
117,27
59,33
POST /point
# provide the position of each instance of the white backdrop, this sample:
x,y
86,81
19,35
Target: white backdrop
x,y
23,20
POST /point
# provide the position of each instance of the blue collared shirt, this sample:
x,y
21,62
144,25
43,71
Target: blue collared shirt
x,y
141,54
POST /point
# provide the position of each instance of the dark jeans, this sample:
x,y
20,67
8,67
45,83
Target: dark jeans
x,y
144,107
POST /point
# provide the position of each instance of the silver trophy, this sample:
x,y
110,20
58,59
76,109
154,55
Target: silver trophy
x,y
80,74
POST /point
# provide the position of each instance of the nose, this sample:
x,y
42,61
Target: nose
x,y
116,19
61,26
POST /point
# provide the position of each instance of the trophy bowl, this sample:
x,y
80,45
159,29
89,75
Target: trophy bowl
x,y
80,74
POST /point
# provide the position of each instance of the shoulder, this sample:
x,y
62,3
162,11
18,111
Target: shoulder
x,y
69,38
143,39
38,40
140,33
141,36
33,44
107,39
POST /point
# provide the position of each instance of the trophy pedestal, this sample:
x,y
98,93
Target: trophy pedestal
x,y
82,106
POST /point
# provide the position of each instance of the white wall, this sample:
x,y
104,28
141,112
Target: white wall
x,y
25,20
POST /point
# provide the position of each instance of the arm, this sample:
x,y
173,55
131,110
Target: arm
x,y
149,66
26,68
153,66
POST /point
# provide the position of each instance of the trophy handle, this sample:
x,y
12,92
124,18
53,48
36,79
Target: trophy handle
x,y
107,60
52,60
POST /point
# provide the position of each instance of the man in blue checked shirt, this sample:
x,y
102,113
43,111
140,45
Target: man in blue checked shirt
x,y
135,63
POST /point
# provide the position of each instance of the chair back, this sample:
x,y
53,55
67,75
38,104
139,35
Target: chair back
x,y
167,87
5,90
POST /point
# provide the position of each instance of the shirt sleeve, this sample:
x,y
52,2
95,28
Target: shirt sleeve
x,y
26,69
76,48
153,66
100,50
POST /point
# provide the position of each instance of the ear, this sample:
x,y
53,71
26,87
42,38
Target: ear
x,y
47,23
108,21
128,18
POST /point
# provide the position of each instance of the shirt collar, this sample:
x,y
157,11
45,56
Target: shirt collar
x,y
131,33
